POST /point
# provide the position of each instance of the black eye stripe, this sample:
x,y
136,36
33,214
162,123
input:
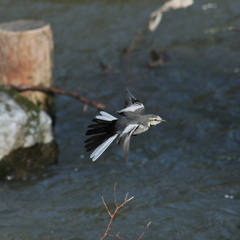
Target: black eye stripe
x,y
154,119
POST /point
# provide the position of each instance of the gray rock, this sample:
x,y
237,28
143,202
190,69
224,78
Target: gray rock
x,y
22,126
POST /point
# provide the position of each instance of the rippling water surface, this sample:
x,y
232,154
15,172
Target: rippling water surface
x,y
184,174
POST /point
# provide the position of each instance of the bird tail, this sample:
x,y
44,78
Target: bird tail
x,y
103,134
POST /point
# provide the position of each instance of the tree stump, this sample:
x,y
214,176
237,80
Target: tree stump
x,y
26,57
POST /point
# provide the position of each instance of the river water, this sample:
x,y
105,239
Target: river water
x,y
184,174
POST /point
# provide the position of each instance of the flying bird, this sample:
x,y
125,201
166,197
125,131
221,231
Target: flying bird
x,y
107,128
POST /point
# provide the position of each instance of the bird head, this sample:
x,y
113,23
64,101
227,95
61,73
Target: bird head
x,y
154,120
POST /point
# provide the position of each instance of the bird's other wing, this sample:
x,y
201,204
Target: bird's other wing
x,y
124,138
131,104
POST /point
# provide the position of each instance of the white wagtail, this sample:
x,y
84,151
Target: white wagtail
x,y
132,122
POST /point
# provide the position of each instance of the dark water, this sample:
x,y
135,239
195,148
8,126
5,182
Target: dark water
x,y
184,174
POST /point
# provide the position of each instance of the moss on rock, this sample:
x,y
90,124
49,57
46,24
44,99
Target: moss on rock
x,y
23,162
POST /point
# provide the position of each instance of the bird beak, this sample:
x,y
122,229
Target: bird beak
x,y
163,120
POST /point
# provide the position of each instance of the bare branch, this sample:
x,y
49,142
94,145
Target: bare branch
x,y
55,90
112,215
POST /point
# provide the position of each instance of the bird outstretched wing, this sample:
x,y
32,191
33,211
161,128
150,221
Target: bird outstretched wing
x,y
124,138
131,104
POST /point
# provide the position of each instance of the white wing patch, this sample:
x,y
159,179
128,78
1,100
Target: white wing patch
x,y
132,108
105,116
128,129
101,148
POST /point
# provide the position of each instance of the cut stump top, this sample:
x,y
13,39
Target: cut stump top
x,y
21,25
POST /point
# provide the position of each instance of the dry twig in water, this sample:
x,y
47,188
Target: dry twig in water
x,y
55,90
156,16
112,215
155,19
234,29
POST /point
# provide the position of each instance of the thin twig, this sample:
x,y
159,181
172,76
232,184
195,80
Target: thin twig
x,y
126,197
106,207
55,90
115,197
125,202
234,29
144,231
136,42
115,236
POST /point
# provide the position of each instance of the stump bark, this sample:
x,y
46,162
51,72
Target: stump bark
x,y
26,57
